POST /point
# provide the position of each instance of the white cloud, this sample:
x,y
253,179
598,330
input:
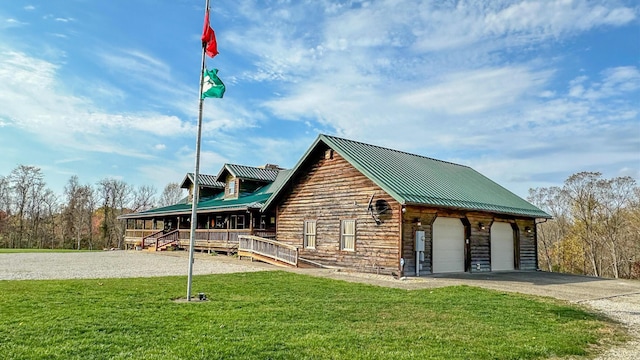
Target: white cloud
x,y
11,23
60,117
518,23
29,7
614,82
476,91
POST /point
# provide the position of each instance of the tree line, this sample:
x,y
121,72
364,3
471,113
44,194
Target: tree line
x,y
83,217
595,228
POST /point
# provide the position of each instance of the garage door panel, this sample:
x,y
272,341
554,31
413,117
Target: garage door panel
x,y
502,246
448,245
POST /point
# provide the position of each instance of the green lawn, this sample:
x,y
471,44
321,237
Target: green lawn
x,y
281,315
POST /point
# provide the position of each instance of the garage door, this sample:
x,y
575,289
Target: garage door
x,y
501,246
448,245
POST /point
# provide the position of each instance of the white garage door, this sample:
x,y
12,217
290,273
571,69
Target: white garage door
x,y
501,246
448,245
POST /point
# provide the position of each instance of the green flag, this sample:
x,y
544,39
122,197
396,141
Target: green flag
x,y
212,86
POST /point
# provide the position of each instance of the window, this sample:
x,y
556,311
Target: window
x,y
236,222
348,235
231,186
310,234
219,222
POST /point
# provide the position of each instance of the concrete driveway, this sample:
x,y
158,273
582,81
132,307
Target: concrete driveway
x,y
572,288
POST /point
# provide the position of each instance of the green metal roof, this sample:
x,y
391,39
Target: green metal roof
x,y
248,172
419,180
212,204
203,181
217,203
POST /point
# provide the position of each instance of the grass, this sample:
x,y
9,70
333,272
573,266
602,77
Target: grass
x,y
280,315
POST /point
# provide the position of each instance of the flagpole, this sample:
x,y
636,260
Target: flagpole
x,y
196,177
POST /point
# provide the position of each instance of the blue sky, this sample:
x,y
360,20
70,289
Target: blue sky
x,y
526,92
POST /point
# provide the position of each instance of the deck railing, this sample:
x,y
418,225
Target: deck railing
x,y
269,248
214,234
204,238
133,236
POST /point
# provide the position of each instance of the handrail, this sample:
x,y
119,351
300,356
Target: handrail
x,y
170,237
152,235
269,248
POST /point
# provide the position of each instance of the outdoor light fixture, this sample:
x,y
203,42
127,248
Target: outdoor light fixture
x,y
480,226
527,229
417,221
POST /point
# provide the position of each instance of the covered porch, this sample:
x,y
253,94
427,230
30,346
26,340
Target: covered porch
x,y
217,232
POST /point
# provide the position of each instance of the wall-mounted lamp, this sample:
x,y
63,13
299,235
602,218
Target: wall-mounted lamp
x,y
481,226
417,221
528,229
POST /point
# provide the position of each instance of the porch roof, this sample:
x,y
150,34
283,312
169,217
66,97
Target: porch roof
x,y
207,205
216,203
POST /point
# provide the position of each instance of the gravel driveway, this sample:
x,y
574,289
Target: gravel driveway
x,y
619,299
115,264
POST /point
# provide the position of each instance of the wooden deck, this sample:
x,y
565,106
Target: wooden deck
x,y
267,250
208,240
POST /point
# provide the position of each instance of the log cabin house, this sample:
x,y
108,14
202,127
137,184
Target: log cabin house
x,y
229,206
354,205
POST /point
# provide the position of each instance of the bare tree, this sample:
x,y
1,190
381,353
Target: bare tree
x,y
172,194
115,196
51,209
5,210
25,181
582,190
143,198
595,221
554,201
616,196
78,212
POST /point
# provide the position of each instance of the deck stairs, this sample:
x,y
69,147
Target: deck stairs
x,y
161,241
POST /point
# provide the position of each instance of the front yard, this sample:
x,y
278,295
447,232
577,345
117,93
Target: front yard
x,y
280,315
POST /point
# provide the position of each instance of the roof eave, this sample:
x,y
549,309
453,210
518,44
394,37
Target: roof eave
x,y
529,215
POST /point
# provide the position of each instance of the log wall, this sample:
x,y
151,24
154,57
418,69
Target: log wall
x,y
329,190
527,249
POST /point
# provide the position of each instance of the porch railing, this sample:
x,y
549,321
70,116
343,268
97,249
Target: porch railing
x,y
268,248
204,238
133,236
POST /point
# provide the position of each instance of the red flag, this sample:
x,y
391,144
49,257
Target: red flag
x,y
209,42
